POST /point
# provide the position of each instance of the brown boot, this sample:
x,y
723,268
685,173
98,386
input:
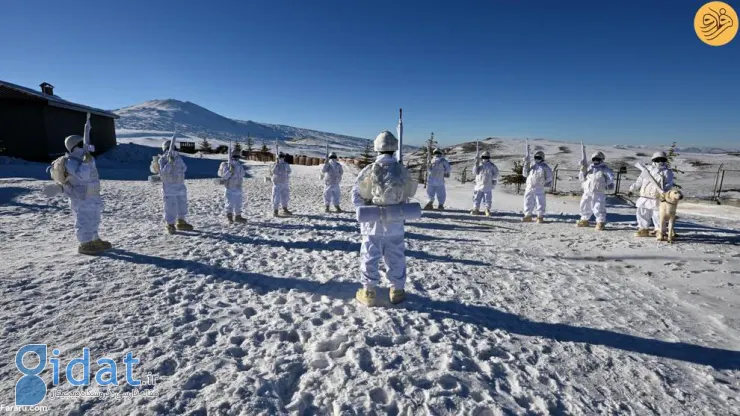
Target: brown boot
x,y
230,217
338,208
90,248
182,225
170,228
239,219
286,211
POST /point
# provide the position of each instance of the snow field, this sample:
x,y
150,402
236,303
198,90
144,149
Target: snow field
x,y
502,317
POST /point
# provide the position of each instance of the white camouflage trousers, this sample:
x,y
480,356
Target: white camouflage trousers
x,y
332,194
87,213
534,202
645,216
175,208
593,204
439,191
280,195
485,197
233,201
392,250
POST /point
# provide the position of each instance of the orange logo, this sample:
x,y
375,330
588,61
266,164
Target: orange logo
x,y
716,23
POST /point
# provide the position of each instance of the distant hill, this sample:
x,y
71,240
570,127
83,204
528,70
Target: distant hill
x,y
157,118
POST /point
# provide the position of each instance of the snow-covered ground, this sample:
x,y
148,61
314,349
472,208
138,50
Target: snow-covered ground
x,y
502,317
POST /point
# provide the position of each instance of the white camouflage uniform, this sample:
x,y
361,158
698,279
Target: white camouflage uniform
x,y
593,201
486,178
332,173
648,205
539,177
174,191
83,190
233,176
381,239
437,171
280,184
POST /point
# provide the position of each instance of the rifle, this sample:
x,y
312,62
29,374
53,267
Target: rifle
x,y
650,176
527,158
230,150
477,152
172,145
584,160
87,147
399,130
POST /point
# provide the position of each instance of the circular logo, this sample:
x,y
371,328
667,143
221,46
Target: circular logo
x,y
716,23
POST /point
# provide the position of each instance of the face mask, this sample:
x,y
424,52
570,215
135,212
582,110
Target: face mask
x,y
538,159
596,161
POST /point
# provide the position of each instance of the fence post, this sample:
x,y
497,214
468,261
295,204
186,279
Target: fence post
x,y
721,182
715,195
619,181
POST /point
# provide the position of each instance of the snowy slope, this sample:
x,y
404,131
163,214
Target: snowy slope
x,y
157,118
502,317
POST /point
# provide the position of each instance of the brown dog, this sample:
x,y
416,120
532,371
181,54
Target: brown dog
x,y
668,205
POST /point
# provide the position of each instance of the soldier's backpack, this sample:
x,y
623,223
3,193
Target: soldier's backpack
x,y
58,170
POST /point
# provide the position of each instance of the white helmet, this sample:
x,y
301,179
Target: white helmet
x,y
539,154
332,155
72,141
485,155
166,145
386,142
659,155
598,155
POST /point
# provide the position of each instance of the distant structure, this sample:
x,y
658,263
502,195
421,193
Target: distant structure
x,y
33,124
187,147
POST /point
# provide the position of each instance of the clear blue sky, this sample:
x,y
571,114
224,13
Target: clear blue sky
x,y
606,71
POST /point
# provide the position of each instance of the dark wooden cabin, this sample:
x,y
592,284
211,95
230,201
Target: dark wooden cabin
x,y
33,124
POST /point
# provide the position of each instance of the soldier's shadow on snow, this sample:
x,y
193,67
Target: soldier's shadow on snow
x,y
495,217
9,197
483,316
331,245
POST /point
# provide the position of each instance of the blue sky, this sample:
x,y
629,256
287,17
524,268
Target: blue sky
x,y
607,72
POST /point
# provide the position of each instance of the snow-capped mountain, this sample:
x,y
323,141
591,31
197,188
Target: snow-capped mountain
x,y
157,119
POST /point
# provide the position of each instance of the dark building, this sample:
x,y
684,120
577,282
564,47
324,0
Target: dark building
x,y
33,124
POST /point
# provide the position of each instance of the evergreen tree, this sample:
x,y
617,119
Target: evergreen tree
x,y
250,145
205,145
671,156
264,148
366,157
238,148
517,178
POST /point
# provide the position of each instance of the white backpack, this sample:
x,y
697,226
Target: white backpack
x,y
385,184
58,170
